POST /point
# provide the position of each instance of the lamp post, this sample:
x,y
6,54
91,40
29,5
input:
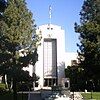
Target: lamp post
x,y
91,84
73,94
73,83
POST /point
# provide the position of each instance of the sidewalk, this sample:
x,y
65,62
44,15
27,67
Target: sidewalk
x,y
77,96
37,96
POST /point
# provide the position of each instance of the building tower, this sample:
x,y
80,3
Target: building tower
x,y
50,65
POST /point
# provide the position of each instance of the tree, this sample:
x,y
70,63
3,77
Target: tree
x,y
89,29
16,31
2,5
77,79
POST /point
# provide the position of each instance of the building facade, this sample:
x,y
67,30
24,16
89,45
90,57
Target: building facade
x,y
71,58
50,65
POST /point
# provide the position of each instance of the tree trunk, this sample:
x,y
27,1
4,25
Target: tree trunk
x,y
14,89
3,79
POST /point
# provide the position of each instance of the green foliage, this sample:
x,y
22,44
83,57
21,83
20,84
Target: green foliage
x,y
89,29
16,31
2,87
77,79
20,25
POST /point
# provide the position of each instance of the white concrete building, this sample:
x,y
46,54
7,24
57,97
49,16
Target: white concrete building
x,y
50,65
52,58
69,57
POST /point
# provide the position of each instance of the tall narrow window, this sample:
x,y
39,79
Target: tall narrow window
x,y
50,58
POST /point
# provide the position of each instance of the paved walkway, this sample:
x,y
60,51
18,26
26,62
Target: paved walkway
x,y
37,96
34,96
77,96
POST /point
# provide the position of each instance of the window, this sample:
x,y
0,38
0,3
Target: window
x,y
50,57
50,61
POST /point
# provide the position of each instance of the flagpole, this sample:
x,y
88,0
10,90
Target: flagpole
x,y
50,14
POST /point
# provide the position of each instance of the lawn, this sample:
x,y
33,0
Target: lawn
x,y
95,95
9,96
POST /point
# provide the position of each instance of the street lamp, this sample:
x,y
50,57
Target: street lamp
x,y
91,84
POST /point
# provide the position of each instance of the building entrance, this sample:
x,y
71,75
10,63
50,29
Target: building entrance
x,y
48,82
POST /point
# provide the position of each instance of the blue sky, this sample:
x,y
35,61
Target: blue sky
x,y
64,13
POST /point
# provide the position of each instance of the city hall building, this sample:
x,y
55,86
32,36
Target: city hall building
x,y
50,65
